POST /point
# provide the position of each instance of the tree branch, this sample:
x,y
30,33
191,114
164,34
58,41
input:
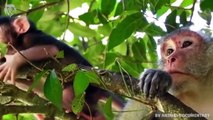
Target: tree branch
x,y
113,82
30,103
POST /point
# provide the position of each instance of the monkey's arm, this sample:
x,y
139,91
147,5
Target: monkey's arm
x,y
13,62
39,52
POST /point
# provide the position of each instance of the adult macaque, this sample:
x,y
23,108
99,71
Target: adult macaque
x,y
34,45
186,70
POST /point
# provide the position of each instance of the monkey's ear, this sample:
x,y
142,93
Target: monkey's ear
x,y
21,24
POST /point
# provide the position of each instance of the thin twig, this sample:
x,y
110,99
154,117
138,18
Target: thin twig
x,y
123,78
39,8
192,9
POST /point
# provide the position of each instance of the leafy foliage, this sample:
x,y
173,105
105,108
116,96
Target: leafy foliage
x,y
53,89
111,34
78,104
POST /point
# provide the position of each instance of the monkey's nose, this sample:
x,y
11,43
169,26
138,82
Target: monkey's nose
x,y
171,60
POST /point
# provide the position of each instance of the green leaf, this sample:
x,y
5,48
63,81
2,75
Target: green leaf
x,y
92,77
89,17
102,18
133,5
107,6
160,3
9,117
3,49
187,3
35,16
154,30
53,89
60,54
52,0
172,1
110,59
124,29
105,29
37,79
81,30
78,104
129,68
183,18
206,5
121,48
151,48
139,51
95,51
151,44
53,27
171,24
70,68
81,82
162,11
119,9
108,109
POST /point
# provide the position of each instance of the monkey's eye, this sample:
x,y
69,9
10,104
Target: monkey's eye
x,y
169,51
186,44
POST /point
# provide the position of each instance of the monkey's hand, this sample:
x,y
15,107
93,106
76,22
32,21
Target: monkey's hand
x,y
155,83
9,68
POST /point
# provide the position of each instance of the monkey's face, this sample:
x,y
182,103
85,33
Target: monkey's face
x,y
182,56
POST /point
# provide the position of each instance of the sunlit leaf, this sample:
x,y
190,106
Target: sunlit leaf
x,y
70,68
9,117
162,11
81,30
121,48
78,104
187,3
53,89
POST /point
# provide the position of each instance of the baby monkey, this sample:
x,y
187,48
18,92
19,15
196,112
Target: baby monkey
x,y
21,34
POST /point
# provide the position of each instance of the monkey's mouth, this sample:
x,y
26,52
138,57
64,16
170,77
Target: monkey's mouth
x,y
171,72
179,74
